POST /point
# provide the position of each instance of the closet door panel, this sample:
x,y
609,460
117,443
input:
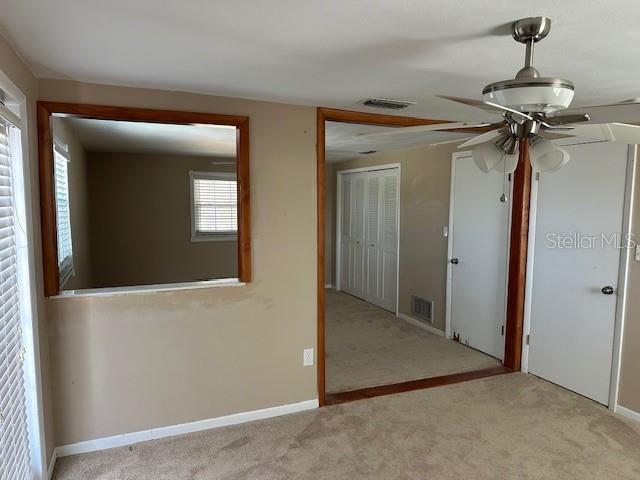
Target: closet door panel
x,y
373,236
359,235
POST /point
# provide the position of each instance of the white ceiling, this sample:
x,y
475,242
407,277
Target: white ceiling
x,y
342,142
328,53
137,137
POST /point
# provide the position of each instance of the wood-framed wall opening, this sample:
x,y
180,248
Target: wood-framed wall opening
x,y
517,259
46,110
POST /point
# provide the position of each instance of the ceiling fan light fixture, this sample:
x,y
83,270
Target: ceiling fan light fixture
x,y
508,164
486,156
543,95
547,157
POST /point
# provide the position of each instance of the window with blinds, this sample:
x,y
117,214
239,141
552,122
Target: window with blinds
x,y
15,461
63,213
214,206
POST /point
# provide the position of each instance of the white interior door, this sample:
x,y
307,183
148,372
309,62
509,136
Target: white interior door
x,y
369,235
579,211
478,255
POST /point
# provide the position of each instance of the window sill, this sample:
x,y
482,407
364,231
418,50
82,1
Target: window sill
x,y
164,287
215,238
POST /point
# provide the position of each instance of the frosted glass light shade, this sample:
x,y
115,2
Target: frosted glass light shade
x,y
508,164
547,157
486,156
532,98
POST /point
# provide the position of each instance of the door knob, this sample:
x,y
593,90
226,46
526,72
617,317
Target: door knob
x,y
454,261
608,290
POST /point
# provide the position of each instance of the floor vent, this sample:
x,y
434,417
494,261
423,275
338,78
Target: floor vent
x,y
422,309
388,103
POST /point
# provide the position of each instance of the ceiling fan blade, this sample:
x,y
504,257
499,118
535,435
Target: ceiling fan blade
x,y
560,120
436,127
627,112
445,142
489,106
611,132
485,137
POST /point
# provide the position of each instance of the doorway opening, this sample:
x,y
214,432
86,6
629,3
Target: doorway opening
x,y
385,321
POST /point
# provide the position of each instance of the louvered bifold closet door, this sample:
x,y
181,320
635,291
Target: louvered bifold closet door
x,y
346,246
14,442
358,227
373,252
390,189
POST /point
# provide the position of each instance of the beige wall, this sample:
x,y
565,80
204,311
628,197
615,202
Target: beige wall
x,y
424,211
78,206
133,362
141,222
629,395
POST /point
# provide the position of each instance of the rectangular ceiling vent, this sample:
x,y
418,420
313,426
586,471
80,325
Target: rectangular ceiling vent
x,y
422,309
388,103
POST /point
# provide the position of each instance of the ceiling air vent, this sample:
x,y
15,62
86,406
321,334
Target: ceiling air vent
x,y
388,103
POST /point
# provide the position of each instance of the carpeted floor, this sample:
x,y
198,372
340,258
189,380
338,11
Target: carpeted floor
x,y
368,346
512,426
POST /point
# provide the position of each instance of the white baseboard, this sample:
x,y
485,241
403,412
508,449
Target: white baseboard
x,y
52,463
170,431
419,324
626,412
328,285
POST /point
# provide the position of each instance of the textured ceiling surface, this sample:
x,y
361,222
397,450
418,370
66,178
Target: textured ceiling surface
x,y
343,141
330,53
153,138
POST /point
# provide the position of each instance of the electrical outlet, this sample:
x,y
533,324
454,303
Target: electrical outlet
x,y
307,357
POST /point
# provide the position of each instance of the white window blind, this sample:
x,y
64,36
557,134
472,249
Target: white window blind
x,y
14,438
63,214
214,204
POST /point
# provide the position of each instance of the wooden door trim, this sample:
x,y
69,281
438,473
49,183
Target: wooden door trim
x,y
423,383
45,110
519,243
517,253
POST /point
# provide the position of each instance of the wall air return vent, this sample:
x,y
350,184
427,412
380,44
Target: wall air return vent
x,y
388,103
422,309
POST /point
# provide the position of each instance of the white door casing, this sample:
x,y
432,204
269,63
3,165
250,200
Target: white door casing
x,y
572,324
479,241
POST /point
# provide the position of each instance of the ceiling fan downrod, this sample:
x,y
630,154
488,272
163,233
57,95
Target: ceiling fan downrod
x,y
530,31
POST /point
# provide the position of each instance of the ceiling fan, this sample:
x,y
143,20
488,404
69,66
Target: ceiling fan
x,y
533,107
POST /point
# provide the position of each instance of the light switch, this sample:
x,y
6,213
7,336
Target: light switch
x,y
445,231
638,252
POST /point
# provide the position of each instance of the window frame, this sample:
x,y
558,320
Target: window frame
x,y
196,236
66,266
16,112
45,112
